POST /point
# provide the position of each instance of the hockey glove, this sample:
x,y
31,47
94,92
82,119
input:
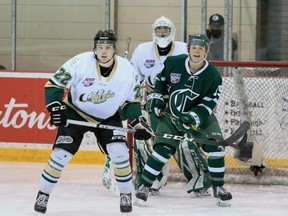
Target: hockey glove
x,y
155,104
184,122
143,130
57,113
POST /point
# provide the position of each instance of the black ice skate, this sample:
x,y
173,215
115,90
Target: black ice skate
x,y
142,192
224,196
125,203
141,195
41,202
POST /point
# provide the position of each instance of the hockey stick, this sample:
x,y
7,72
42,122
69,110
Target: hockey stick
x,y
240,133
126,53
239,145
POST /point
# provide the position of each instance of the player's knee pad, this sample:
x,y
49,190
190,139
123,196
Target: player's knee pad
x,y
119,155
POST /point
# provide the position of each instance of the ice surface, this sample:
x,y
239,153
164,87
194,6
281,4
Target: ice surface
x,y
79,192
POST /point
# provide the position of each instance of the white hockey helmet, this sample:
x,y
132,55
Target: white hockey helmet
x,y
163,41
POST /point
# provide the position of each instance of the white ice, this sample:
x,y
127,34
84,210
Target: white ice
x,y
79,192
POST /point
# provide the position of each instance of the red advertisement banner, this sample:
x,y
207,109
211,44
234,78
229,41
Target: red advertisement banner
x,y
23,116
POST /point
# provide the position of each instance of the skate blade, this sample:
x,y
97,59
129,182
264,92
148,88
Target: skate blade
x,y
39,214
222,203
139,203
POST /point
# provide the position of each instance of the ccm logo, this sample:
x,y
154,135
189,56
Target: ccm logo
x,y
118,138
62,107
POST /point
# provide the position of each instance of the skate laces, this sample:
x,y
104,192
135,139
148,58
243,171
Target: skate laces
x,y
42,200
125,199
143,189
222,190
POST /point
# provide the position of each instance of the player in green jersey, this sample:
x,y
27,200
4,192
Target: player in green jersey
x,y
193,87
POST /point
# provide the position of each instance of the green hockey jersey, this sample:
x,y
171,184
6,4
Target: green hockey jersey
x,y
194,93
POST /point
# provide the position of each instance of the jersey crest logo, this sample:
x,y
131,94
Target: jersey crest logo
x,y
97,97
149,63
175,77
181,101
88,82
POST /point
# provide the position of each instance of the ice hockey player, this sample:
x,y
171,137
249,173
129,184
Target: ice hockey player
x,y
193,86
99,82
148,59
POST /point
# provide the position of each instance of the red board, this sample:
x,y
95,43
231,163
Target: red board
x,y
23,116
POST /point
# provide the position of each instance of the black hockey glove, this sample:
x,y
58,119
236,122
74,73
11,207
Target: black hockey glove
x,y
57,113
143,130
184,123
155,104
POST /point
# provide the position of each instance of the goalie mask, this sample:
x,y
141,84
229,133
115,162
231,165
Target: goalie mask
x,y
163,40
105,37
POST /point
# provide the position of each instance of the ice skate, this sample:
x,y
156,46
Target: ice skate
x,y
41,202
125,203
141,195
224,197
202,193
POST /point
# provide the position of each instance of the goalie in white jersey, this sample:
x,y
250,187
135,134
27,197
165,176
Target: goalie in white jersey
x,y
148,60
98,84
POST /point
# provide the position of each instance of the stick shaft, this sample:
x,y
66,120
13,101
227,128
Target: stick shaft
x,y
240,133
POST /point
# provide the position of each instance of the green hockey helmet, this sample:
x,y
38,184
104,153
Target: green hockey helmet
x,y
198,40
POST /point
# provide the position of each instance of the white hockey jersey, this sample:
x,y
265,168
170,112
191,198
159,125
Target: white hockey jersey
x,y
148,63
92,94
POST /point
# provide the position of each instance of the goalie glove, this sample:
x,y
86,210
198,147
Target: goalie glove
x,y
143,130
57,113
155,104
184,122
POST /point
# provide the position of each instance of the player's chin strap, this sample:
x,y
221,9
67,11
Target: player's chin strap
x,y
232,141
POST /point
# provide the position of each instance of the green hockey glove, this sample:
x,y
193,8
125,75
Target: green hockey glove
x,y
155,104
184,123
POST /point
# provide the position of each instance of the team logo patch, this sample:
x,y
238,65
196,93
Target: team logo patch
x,y
88,82
64,140
175,77
149,63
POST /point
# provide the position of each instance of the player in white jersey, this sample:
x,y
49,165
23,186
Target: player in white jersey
x,y
148,60
98,84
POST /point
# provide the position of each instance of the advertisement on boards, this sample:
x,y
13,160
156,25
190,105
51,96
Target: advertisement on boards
x,y
23,116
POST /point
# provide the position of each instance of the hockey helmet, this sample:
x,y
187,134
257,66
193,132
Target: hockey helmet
x,y
198,40
105,37
163,41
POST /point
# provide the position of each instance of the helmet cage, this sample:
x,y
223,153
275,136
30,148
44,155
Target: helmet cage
x,y
163,41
